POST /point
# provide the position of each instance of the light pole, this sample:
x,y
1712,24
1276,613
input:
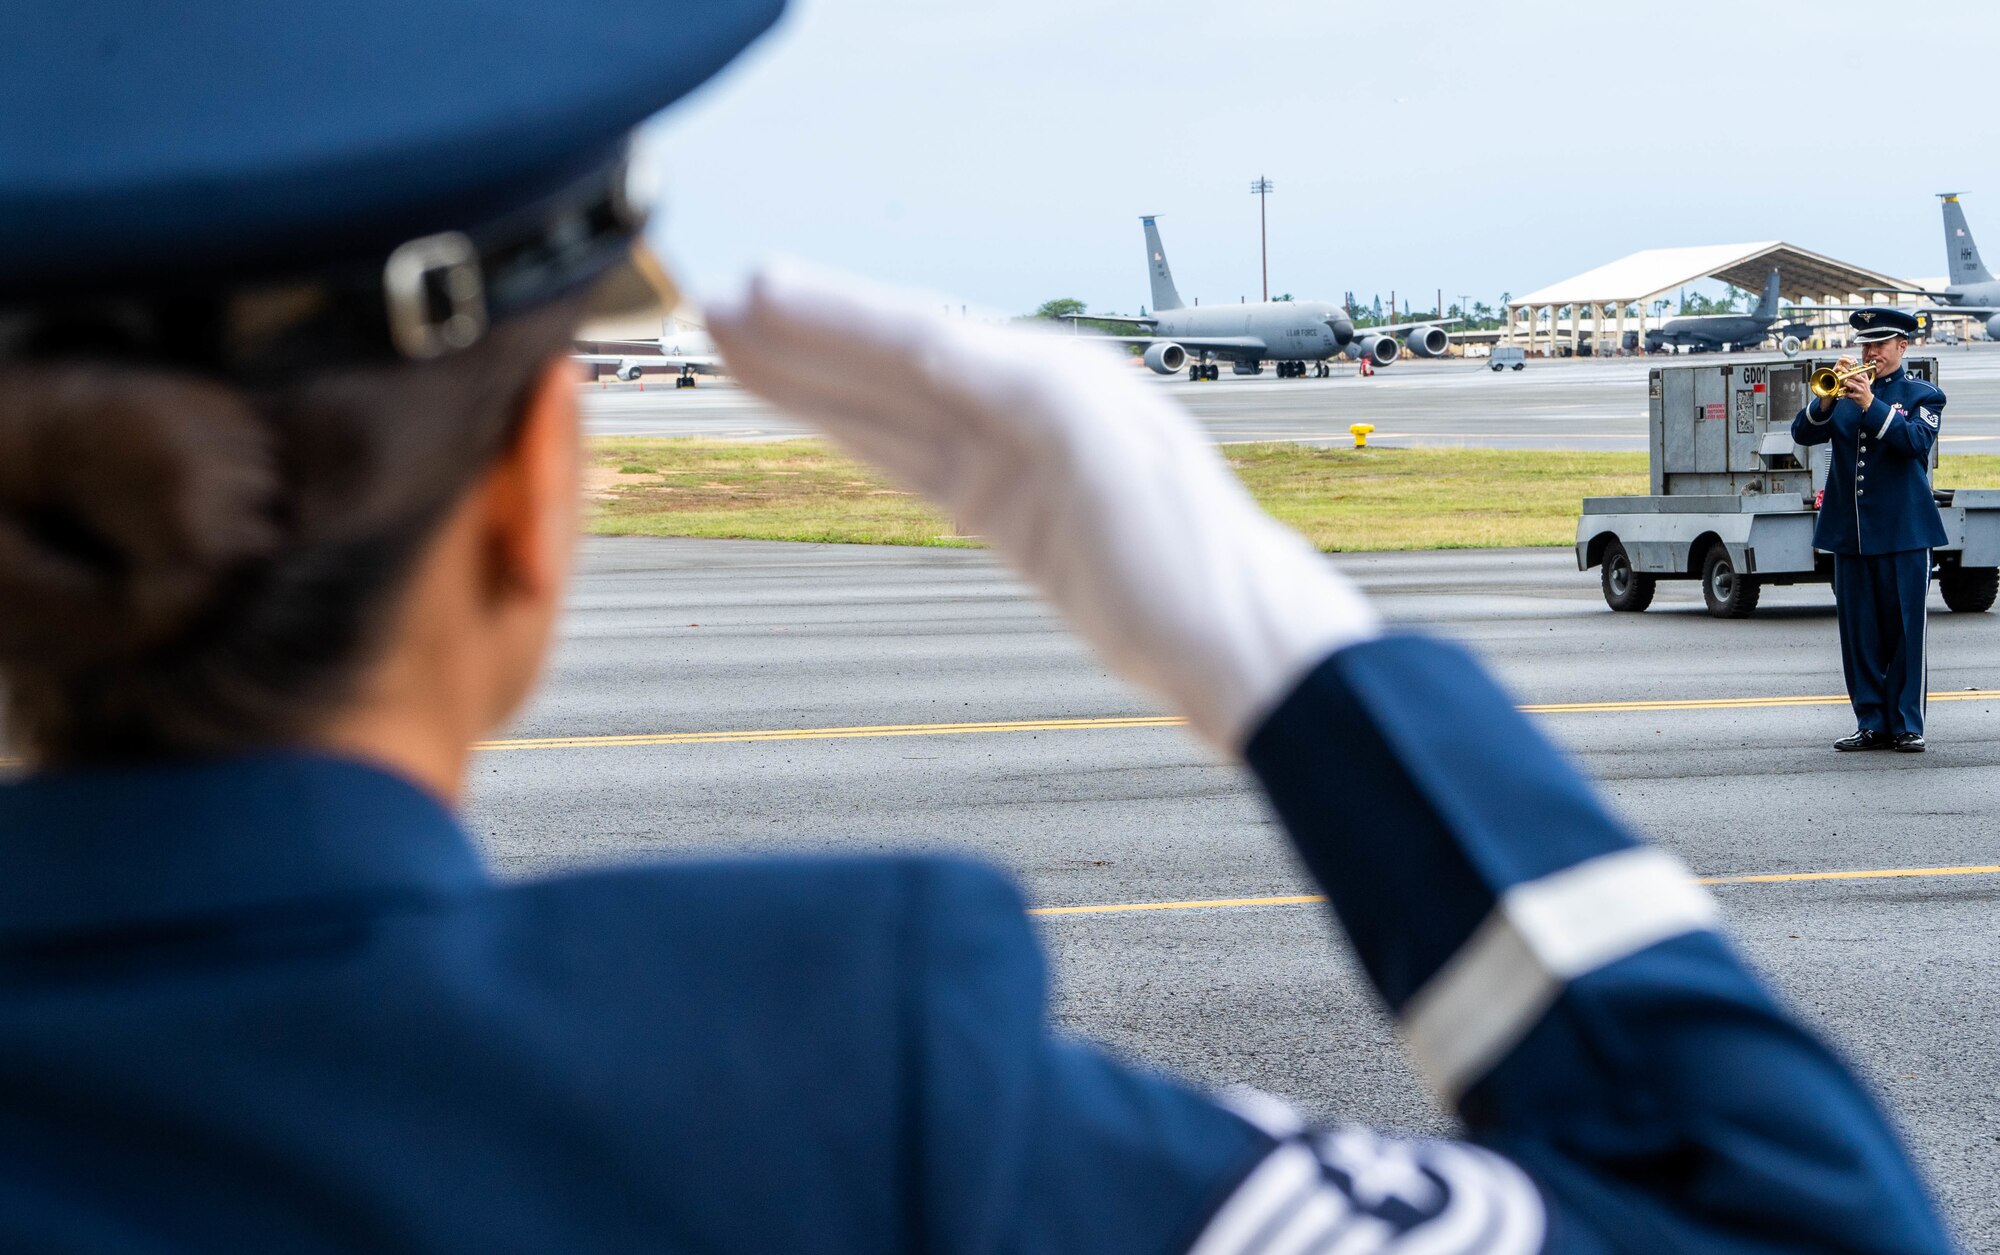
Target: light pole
x,y
1262,188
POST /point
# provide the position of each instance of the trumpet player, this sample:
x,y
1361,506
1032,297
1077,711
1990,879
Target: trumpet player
x,y
1878,519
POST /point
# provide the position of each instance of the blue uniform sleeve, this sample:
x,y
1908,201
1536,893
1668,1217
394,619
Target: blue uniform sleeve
x,y
1027,1143
1810,428
1909,431
1562,985
1024,1142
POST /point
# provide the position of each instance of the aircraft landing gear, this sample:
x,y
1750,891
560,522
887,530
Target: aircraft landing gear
x,y
686,378
1291,370
1204,370
1321,370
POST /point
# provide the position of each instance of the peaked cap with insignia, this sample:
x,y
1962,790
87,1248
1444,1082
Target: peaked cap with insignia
x,y
1871,325
260,189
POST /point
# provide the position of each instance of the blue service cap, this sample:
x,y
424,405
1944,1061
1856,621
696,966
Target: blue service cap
x,y
461,156
1871,325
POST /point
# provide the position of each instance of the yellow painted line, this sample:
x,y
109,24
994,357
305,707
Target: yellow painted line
x,y
1735,703
830,734
867,731
1153,721
1893,873
1771,878
1201,905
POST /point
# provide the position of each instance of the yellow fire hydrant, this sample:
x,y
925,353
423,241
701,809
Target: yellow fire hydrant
x,y
1360,433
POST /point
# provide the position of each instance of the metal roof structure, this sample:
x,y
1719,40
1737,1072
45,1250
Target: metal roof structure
x,y
1802,275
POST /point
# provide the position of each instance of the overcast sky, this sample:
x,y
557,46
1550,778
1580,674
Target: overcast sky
x,y
1002,153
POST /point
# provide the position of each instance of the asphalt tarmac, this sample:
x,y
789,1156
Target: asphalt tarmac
x,y
1557,404
681,646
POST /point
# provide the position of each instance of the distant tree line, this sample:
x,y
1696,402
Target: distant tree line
x,y
1474,315
1733,301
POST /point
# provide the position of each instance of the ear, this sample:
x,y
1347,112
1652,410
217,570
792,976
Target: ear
x,y
531,495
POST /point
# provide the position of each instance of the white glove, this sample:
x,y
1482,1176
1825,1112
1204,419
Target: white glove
x,y
1087,480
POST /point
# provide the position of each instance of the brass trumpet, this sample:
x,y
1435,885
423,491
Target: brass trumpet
x,y
1826,382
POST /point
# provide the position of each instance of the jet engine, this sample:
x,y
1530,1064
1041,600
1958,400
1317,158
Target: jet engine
x,y
1382,348
1993,326
1166,359
1343,330
1427,341
628,371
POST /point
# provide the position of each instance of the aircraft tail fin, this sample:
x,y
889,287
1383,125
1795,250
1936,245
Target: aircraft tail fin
x,y
1767,305
1961,255
1165,296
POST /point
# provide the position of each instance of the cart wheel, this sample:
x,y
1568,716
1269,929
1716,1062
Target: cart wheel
x,y
1970,591
1624,588
1729,593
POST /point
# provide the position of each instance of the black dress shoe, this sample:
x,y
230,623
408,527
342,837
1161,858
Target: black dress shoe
x,y
1909,742
1864,739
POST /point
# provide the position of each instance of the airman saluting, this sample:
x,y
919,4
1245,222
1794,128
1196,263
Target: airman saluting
x,y
288,489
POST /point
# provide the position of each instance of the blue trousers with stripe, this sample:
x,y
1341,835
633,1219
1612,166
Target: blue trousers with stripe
x,y
1882,599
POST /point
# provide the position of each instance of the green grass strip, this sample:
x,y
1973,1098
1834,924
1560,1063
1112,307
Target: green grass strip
x,y
1343,499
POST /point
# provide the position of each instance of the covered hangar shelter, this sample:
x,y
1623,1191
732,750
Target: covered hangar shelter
x,y
1633,293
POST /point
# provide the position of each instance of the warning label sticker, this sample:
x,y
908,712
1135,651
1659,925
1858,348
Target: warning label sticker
x,y
1714,411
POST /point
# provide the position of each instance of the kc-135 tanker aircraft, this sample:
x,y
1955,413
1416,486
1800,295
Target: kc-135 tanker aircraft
x,y
682,347
1290,333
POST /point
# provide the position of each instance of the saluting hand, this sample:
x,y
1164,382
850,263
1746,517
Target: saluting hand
x,y
1084,476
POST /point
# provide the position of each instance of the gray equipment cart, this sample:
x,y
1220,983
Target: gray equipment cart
x,y
1733,499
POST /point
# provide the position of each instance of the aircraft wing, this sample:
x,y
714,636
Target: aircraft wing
x,y
705,364
1199,344
1930,311
1391,328
1136,322
1807,309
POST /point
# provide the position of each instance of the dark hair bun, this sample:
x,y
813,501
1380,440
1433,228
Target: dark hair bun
x,y
127,500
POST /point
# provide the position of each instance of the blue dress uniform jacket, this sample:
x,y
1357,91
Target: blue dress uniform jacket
x,y
277,1004
1880,522
1878,483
